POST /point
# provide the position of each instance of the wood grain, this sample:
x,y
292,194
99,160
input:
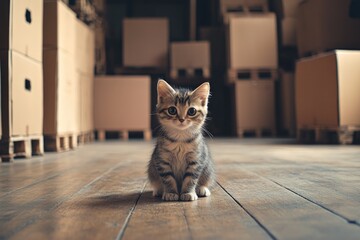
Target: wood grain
x,y
269,189
285,214
214,217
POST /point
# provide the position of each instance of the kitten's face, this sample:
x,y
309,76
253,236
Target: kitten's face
x,y
182,109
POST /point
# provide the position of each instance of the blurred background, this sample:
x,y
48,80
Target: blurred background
x,y
76,70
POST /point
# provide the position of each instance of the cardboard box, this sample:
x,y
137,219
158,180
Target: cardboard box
x,y
86,103
326,25
190,55
288,32
287,91
145,42
255,105
59,26
327,90
122,103
21,24
85,48
252,42
21,93
286,8
61,89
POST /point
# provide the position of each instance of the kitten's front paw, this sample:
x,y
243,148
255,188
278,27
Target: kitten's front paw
x,y
203,191
191,196
170,197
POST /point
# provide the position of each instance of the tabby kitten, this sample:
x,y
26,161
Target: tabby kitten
x,y
181,166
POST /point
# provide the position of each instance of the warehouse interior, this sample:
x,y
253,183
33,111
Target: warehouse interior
x,y
79,117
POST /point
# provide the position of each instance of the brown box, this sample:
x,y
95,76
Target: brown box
x,y
190,54
146,42
59,26
326,25
21,24
287,91
85,48
122,103
327,90
86,103
21,95
286,8
252,42
61,89
288,31
255,105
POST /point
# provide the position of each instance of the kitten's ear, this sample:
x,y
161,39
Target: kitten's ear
x,y
202,92
164,90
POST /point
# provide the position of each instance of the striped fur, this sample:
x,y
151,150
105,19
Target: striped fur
x,y
181,166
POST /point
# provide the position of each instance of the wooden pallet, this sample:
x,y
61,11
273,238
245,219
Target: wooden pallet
x,y
21,147
60,143
85,137
190,73
340,135
251,74
260,132
288,133
244,7
124,134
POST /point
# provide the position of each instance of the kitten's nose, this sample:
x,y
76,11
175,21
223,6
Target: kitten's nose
x,y
181,120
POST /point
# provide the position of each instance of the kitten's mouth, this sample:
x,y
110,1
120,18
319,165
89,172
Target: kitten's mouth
x,y
182,125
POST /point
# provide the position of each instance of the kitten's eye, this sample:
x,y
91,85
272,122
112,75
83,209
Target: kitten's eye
x,y
172,110
191,111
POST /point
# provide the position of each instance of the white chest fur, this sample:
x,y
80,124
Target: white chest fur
x,y
178,154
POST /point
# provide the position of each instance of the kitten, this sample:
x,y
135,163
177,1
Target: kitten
x,y
181,166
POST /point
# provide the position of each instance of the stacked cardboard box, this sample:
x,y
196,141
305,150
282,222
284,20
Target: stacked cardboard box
x,y
327,91
255,107
252,63
191,57
21,77
131,96
146,42
85,50
61,84
252,44
326,82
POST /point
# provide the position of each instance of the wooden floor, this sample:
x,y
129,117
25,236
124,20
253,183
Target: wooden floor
x,y
266,189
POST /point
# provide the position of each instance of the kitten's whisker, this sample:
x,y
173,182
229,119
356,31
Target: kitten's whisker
x,y
208,133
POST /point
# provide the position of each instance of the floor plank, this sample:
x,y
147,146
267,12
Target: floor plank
x,y
215,217
327,188
96,212
269,189
285,214
25,206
